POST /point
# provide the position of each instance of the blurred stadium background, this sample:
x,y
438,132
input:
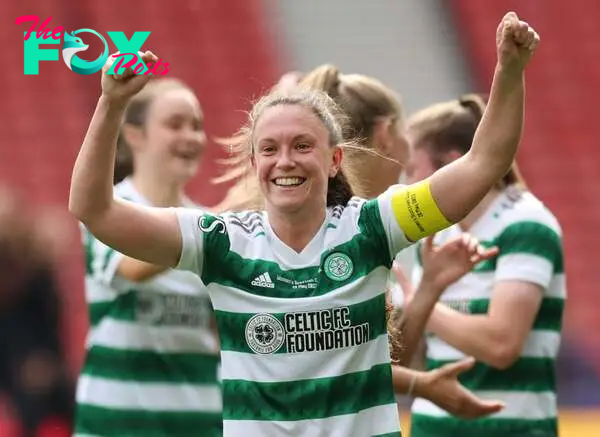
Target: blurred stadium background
x,y
230,51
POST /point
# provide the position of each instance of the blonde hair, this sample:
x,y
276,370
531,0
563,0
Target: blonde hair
x,y
450,126
135,115
363,99
360,101
246,194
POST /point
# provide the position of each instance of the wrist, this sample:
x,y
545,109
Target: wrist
x,y
509,73
419,385
113,104
433,283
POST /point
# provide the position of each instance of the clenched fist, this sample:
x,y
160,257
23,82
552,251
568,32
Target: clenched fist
x,y
121,87
516,42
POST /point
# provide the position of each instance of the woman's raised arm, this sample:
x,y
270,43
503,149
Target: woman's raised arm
x,y
148,234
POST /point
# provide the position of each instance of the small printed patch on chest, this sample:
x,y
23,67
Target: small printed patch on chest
x,y
460,305
161,309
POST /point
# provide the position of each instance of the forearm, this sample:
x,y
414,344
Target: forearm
x,y
91,183
492,152
474,335
405,380
414,319
138,271
498,135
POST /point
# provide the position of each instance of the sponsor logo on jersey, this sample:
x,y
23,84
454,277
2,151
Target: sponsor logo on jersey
x,y
263,280
160,309
264,334
307,331
338,266
208,223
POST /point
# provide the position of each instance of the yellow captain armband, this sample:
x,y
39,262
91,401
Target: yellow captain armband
x,y
416,211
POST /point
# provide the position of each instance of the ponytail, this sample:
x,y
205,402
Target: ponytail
x,y
339,190
123,160
325,78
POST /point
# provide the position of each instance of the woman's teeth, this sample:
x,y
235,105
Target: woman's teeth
x,y
287,182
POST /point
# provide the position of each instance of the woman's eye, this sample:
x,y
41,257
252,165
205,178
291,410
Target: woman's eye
x,y
175,124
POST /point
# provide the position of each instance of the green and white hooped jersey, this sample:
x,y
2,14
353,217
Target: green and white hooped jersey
x,y
151,367
530,242
304,345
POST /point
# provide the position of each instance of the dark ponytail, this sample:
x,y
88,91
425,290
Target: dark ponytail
x,y
339,191
123,161
135,115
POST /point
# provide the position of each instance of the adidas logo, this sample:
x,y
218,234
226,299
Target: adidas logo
x,y
263,280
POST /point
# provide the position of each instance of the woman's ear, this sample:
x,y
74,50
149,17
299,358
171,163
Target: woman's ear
x,y
133,135
338,154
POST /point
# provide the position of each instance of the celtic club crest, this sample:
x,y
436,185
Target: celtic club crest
x,y
338,266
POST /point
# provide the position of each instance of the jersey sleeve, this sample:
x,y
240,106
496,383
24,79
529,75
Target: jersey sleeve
x,y
384,217
529,252
101,261
409,213
202,235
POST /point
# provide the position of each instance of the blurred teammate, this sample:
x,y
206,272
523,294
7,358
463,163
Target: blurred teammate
x,y
505,312
152,358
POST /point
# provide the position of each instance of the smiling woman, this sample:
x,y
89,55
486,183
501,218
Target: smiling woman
x,y
152,328
163,132
296,144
